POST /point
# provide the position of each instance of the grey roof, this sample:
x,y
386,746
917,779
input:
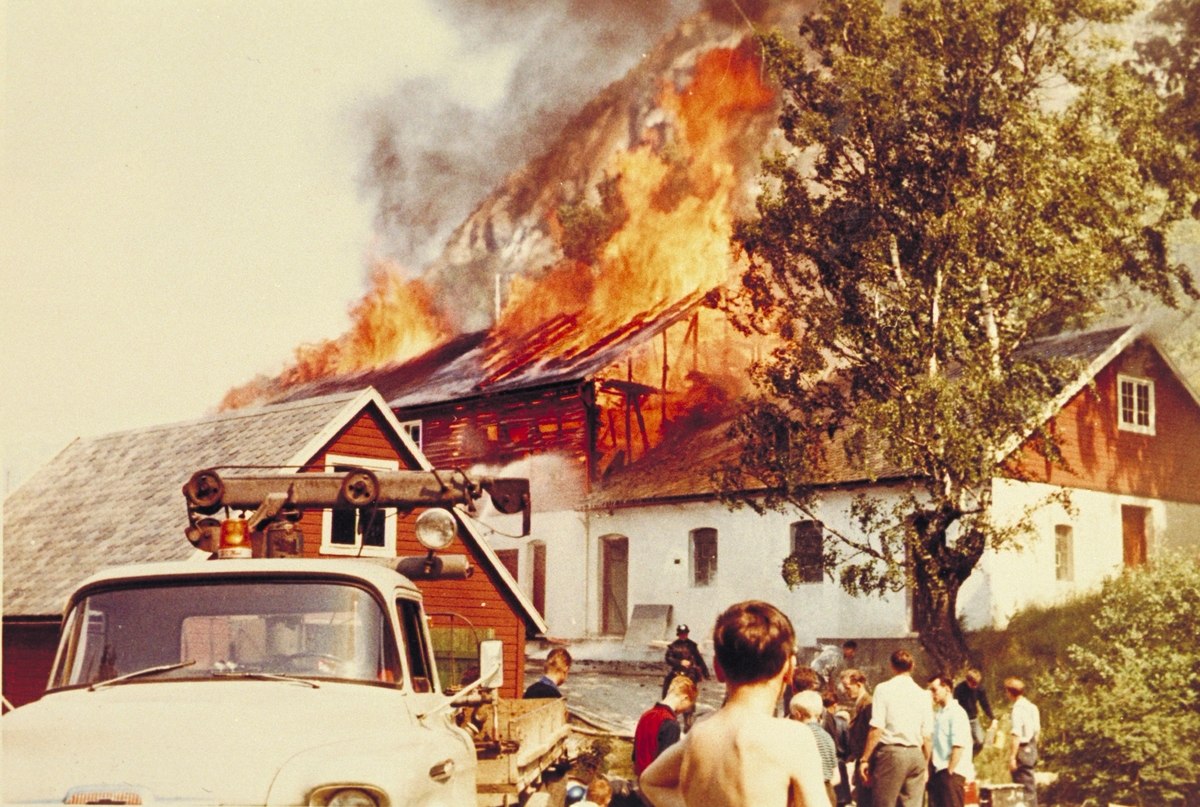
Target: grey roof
x,y
117,498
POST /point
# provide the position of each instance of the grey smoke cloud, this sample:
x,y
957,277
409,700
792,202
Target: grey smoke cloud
x,y
431,160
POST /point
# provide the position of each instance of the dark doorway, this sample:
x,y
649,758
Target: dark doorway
x,y
614,585
1133,535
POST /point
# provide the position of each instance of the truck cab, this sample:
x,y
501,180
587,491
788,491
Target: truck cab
x,y
242,682
249,675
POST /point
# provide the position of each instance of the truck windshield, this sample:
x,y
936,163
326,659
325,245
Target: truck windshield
x,y
228,628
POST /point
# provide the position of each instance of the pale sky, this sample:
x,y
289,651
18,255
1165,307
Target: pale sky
x,y
180,198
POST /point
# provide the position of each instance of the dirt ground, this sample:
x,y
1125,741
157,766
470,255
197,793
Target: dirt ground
x,y
611,695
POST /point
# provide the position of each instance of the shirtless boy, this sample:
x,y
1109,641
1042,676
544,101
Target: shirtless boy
x,y
743,756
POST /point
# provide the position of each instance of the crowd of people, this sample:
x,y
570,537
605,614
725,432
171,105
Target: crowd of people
x,y
886,748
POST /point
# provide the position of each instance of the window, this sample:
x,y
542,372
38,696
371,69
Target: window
x,y
416,649
413,429
370,532
808,547
1064,552
1135,404
704,556
456,648
226,627
511,560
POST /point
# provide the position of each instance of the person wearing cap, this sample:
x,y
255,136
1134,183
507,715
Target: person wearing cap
x,y
684,658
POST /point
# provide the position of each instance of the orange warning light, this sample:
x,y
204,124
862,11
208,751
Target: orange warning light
x,y
235,539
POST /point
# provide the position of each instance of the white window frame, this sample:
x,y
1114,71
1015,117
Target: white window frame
x,y
1135,383
388,550
409,425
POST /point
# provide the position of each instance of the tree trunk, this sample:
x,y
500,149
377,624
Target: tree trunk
x,y
934,619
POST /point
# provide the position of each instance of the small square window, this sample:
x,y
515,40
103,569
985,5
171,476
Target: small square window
x,y
704,556
1135,404
413,429
369,532
1064,552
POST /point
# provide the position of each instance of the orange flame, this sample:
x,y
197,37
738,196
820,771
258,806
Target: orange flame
x,y
680,197
681,186
680,190
395,320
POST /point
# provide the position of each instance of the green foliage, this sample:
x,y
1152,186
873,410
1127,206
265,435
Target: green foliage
x,y
587,228
1171,57
1121,714
963,176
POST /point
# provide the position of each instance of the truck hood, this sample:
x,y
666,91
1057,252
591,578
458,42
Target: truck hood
x,y
210,742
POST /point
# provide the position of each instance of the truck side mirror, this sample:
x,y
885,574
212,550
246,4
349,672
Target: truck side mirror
x,y
491,664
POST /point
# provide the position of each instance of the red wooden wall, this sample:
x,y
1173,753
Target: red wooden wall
x,y
501,428
481,598
29,646
1100,456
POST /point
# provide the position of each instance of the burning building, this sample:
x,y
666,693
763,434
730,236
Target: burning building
x,y
601,263
606,369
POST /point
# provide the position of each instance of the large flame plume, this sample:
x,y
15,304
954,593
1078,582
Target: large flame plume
x,y
679,187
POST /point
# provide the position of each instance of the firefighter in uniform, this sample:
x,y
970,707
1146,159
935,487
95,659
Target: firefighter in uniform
x,y
684,658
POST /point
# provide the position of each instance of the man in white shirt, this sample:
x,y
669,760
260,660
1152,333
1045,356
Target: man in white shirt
x,y
950,767
1026,726
898,748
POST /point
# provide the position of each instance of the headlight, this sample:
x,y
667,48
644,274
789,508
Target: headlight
x,y
436,528
339,796
351,797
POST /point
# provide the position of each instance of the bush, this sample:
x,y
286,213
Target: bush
x,y
1121,712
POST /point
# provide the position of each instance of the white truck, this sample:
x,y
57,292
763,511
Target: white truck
x,y
272,680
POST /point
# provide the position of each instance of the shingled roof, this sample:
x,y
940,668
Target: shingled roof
x,y
116,498
682,469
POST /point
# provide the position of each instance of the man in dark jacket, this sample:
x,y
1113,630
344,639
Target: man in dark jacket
x,y
684,658
973,698
855,684
558,664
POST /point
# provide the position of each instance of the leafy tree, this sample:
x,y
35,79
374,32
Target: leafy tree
x,y
1172,58
1121,716
961,177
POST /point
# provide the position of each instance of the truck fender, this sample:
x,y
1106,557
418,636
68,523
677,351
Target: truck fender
x,y
418,767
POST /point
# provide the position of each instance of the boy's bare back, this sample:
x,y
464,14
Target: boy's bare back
x,y
742,758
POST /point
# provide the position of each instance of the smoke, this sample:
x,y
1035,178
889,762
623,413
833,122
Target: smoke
x,y
735,12
432,159
557,482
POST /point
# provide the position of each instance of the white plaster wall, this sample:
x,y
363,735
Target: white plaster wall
x,y
570,572
750,551
1010,580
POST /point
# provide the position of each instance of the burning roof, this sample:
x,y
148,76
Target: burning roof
x,y
480,363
